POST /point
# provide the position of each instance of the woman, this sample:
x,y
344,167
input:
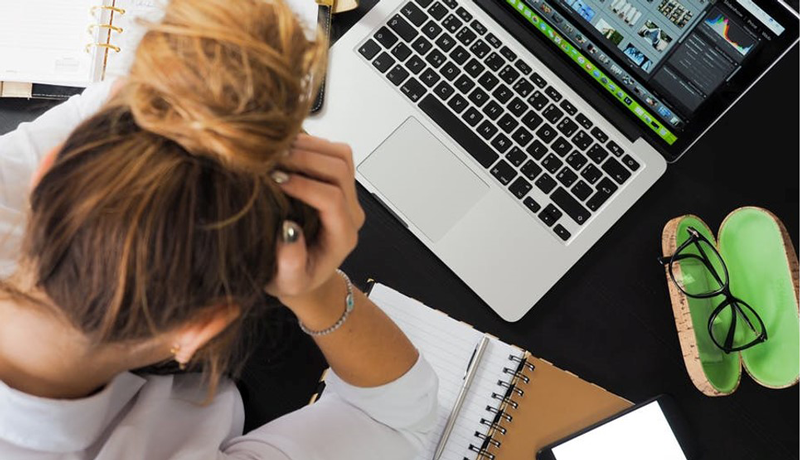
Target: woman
x,y
157,229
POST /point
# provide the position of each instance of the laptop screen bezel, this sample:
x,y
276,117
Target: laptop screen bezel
x,y
708,113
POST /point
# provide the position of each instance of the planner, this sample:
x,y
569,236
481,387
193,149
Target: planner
x,y
516,404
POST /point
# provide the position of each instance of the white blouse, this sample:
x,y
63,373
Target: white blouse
x,y
161,417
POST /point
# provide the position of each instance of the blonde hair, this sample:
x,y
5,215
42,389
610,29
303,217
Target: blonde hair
x,y
160,206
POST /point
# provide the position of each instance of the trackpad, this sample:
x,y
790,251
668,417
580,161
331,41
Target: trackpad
x,y
423,179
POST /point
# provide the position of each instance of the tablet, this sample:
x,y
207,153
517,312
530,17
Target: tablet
x,y
653,430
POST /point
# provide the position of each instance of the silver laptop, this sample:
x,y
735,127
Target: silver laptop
x,y
509,135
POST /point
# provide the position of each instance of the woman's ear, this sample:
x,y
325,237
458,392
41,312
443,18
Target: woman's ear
x,y
193,336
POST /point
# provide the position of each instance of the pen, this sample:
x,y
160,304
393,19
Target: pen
x,y
469,375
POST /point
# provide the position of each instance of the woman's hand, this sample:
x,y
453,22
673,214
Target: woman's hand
x,y
327,184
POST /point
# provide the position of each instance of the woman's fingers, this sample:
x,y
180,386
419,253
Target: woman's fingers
x,y
325,147
320,166
329,200
291,259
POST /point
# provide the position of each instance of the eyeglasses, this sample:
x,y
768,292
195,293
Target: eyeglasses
x,y
697,269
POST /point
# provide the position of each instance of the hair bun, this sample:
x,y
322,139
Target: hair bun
x,y
230,81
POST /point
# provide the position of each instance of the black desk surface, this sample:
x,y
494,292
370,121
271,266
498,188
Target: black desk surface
x,y
609,319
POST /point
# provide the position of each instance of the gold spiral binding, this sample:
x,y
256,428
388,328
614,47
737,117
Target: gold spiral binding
x,y
106,7
103,45
92,27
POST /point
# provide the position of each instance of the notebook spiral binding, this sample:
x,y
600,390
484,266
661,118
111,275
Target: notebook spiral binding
x,y
110,27
500,416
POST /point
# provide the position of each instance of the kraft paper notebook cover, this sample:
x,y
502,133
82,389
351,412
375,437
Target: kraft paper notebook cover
x,y
517,403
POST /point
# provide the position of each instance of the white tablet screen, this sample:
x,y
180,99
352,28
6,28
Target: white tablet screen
x,y
643,433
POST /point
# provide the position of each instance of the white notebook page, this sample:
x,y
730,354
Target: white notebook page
x,y
447,344
133,23
44,41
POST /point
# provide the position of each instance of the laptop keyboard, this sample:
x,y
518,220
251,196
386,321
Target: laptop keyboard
x,y
527,135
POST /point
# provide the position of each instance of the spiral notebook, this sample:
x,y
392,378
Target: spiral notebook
x,y
516,405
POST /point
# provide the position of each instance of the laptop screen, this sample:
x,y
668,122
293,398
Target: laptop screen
x,y
674,66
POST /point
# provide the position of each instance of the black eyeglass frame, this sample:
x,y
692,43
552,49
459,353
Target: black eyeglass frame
x,y
729,301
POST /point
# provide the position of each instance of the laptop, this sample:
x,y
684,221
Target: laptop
x,y
510,135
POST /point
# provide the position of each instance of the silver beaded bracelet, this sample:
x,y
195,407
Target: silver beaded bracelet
x,y
349,304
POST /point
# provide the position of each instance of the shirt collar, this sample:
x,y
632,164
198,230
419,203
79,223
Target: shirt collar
x,y
60,425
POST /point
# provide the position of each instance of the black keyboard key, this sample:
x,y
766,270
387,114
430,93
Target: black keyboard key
x,y
478,97
532,120
576,160
494,41
501,143
431,30
421,45
509,74
507,53
553,94
523,67
424,3
546,133
615,169
459,54
507,123
568,107
537,150
429,78
478,27
443,90
458,103
473,144
385,37
566,176
474,68
591,174
464,14
397,75
414,14
597,153
450,3
449,71
503,172
582,190
538,80
552,163
561,147
383,62
369,49
487,130
570,206
600,135
502,94
550,215
413,89
523,87
538,100
583,121
531,169
532,204
495,62
615,148
488,81
402,28
472,116
604,191
567,127
516,156
437,11
445,43
517,106
466,36
562,232
415,65
452,23
520,188
522,136
493,110
480,49
552,113
632,164
582,140
464,84
435,58
401,51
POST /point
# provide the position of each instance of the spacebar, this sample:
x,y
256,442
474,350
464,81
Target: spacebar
x,y
473,144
